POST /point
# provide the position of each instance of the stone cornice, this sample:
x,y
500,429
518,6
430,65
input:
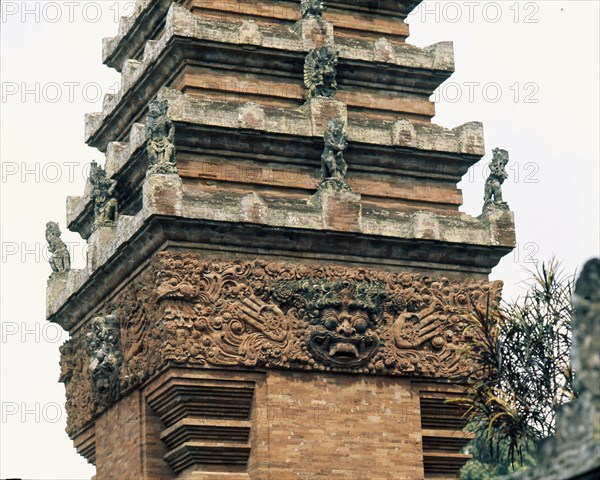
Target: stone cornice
x,y
408,68
428,240
149,15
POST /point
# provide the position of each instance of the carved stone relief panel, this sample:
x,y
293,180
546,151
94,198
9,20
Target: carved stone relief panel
x,y
186,310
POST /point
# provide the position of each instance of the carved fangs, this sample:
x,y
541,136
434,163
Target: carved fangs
x,y
342,351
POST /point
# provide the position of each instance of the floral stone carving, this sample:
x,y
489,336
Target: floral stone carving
x,y
323,318
186,310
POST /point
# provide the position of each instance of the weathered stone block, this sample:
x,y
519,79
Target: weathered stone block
x,y
162,194
321,111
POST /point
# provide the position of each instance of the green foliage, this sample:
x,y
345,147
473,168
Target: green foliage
x,y
485,467
522,351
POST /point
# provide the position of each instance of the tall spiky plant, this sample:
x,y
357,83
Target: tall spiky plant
x,y
523,371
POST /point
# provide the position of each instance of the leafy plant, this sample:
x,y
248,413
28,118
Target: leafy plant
x,y
523,371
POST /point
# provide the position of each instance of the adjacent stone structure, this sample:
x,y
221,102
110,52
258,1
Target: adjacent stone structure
x,y
574,453
286,288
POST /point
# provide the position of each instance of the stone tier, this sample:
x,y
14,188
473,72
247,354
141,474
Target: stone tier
x,y
352,19
276,152
249,226
210,58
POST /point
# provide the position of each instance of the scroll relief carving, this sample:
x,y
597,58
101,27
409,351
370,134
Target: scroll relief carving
x,y
312,8
322,318
188,310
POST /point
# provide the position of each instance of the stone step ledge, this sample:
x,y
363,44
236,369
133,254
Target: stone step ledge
x,y
328,211
146,20
181,23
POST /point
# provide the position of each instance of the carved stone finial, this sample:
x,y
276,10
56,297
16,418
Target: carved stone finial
x,y
104,348
333,165
312,8
60,260
106,209
320,71
161,139
493,185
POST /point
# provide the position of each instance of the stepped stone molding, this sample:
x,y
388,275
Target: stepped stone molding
x,y
207,419
146,21
436,61
184,310
463,142
163,196
464,139
442,424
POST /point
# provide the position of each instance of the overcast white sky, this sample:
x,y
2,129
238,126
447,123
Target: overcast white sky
x,y
528,70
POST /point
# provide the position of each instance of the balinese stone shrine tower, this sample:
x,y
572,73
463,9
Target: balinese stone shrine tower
x,y
278,278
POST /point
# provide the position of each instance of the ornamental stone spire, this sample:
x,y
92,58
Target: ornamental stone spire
x,y
288,276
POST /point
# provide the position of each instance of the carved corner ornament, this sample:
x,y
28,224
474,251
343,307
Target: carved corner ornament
x,y
333,165
103,194
492,196
320,72
160,131
186,310
60,258
312,8
105,358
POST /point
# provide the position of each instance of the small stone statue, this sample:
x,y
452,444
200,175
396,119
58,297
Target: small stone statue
x,y
106,209
493,185
333,165
60,260
161,138
312,8
320,70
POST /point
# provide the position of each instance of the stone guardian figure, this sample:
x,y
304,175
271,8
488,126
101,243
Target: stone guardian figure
x,y
320,71
333,165
493,185
60,260
106,209
161,139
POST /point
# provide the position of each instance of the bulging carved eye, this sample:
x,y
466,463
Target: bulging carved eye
x,y
330,320
361,324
